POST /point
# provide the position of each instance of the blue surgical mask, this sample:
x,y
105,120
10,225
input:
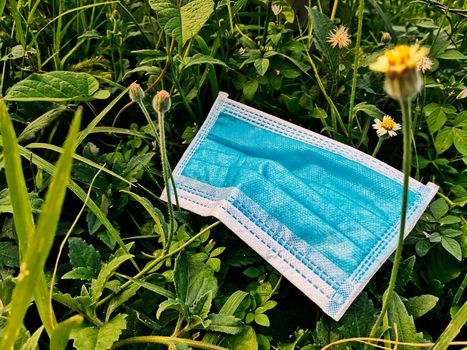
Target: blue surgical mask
x,y
324,214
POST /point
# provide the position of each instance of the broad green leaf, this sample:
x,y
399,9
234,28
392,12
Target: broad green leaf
x,y
459,138
34,257
40,123
99,338
168,304
321,26
242,341
85,256
439,208
452,55
407,332
420,305
262,320
56,86
193,279
8,254
250,88
444,140
452,246
185,22
61,333
261,65
225,324
353,324
436,119
198,59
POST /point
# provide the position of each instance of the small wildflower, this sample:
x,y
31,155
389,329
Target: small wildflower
x,y
403,80
339,37
385,37
241,50
276,9
136,93
424,65
277,71
161,102
269,48
386,126
462,94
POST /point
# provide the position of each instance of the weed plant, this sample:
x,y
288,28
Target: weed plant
x,y
91,258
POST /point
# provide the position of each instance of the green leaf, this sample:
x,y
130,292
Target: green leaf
x,y
84,256
420,305
353,324
198,59
106,272
40,123
152,287
368,109
31,343
449,220
185,22
321,26
261,65
242,341
439,208
460,140
262,320
452,55
120,299
9,254
193,279
436,119
444,140
250,88
225,324
6,206
56,86
99,338
61,333
407,332
452,246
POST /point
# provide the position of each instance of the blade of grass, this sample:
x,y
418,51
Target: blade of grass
x,y
35,257
23,219
454,327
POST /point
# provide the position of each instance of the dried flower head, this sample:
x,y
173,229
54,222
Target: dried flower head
x,y
339,37
136,93
386,126
403,81
161,102
276,9
241,50
424,65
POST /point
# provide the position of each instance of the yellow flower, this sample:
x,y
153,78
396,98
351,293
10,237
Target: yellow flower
x,y
403,80
386,126
339,37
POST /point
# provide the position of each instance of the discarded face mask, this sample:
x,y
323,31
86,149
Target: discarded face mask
x,y
324,214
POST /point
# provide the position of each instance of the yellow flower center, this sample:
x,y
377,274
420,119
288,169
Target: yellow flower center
x,y
388,123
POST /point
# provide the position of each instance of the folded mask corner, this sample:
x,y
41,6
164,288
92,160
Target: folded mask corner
x,y
324,214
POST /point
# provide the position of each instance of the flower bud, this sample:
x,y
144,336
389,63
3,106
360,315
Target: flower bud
x,y
403,86
136,93
161,102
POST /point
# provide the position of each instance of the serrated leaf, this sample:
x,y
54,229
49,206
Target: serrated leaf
x,y
9,254
225,324
185,22
193,279
60,336
439,208
443,140
452,246
106,272
56,86
420,305
397,313
322,25
459,138
99,338
198,59
84,256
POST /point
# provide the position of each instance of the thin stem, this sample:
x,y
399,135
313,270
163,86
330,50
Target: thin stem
x,y
334,10
165,177
266,23
167,341
355,63
229,9
378,146
406,163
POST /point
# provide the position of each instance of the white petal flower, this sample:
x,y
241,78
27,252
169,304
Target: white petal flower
x,y
386,126
276,9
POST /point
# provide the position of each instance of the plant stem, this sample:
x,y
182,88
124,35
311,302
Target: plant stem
x,y
454,327
266,23
378,146
355,64
334,10
406,163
